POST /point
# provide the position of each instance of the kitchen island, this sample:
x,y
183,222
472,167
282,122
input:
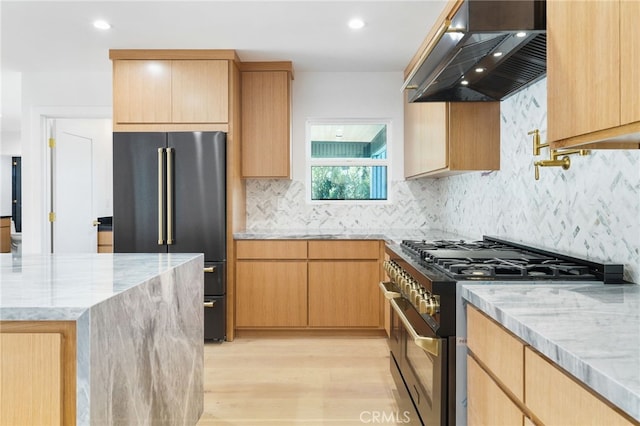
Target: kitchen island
x,y
101,339
589,330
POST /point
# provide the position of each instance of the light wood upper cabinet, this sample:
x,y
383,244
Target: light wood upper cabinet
x,y
172,90
629,62
266,120
200,91
445,138
178,91
592,73
142,91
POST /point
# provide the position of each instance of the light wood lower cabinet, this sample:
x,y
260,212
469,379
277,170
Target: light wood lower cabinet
x,y
42,355
559,400
509,383
489,405
344,294
308,284
105,242
5,235
271,294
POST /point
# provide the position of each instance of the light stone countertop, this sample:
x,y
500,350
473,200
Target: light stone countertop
x,y
591,330
62,287
391,235
139,329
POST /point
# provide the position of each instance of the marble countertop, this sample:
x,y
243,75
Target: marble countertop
x,y
62,287
591,330
393,235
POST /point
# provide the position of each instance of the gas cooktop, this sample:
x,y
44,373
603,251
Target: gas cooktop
x,y
496,259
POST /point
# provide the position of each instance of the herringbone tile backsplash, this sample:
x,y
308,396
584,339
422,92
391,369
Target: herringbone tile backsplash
x,y
591,210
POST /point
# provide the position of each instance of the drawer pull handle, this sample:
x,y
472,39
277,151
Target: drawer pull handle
x,y
209,304
210,269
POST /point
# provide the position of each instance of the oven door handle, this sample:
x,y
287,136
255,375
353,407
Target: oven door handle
x,y
388,294
429,344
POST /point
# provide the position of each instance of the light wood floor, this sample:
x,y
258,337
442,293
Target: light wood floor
x,y
298,381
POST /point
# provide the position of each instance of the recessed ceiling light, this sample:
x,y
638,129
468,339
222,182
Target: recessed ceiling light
x,y
356,23
479,69
497,54
521,34
101,24
464,82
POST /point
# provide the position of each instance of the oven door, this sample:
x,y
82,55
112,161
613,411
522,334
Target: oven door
x,y
423,363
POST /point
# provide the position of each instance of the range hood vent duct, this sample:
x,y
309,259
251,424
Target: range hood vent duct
x,y
468,41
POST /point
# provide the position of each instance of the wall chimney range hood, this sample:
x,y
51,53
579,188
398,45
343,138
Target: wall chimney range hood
x,y
481,51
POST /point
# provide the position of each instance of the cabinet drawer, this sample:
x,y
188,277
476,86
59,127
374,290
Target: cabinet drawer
x,y
344,249
268,249
487,403
557,399
500,351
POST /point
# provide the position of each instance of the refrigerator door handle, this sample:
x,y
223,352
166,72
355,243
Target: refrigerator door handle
x,y
160,196
169,196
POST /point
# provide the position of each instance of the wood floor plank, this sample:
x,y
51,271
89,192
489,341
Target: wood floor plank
x,y
297,381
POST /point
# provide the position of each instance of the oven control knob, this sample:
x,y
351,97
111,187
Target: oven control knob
x,y
432,306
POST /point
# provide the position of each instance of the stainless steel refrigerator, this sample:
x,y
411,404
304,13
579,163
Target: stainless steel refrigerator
x,y
169,195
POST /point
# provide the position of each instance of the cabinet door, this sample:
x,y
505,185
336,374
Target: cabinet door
x,y
487,403
629,60
142,91
266,127
583,74
473,135
569,403
31,368
415,134
271,294
344,294
200,91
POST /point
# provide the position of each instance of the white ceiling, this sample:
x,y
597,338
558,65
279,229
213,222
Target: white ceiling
x,y
50,36
57,35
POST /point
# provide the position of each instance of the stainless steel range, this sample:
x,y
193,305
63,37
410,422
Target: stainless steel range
x,y
427,340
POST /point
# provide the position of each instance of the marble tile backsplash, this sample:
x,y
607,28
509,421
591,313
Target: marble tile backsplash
x,y
591,210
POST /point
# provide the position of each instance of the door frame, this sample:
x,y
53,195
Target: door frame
x,y
36,171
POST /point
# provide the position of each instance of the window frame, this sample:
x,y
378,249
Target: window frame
x,y
346,162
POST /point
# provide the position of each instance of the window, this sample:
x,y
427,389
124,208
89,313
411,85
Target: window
x,y
347,160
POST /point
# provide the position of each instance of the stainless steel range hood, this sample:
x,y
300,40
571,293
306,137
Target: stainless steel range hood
x,y
485,51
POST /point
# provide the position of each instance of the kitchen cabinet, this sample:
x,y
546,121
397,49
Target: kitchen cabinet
x,y
271,284
266,119
343,284
490,404
43,355
5,234
169,90
445,138
592,74
105,242
558,399
507,379
316,284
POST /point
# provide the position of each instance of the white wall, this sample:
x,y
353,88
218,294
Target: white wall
x,y
346,95
55,95
275,204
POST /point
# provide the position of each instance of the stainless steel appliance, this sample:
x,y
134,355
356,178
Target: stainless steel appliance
x,y
170,196
486,51
427,334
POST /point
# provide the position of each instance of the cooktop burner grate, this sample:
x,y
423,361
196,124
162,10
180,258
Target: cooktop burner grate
x,y
497,260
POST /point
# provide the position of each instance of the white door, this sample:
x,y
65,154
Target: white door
x,y
73,227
